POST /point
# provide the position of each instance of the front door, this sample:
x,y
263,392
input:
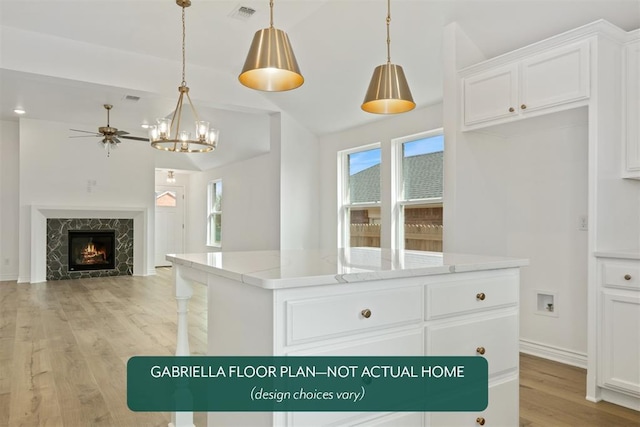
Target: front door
x,y
169,234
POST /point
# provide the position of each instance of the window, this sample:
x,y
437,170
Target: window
x,y
214,213
166,199
360,196
419,191
390,194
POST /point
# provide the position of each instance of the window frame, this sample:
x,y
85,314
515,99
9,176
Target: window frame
x,y
344,203
397,186
212,213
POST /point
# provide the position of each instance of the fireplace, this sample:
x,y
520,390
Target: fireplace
x,y
92,250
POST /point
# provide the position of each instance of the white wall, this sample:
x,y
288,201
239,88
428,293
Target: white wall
x,y
269,201
382,131
546,195
58,171
9,197
250,206
299,186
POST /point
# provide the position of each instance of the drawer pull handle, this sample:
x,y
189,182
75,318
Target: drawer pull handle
x,y
480,350
366,313
627,277
523,106
481,296
480,421
511,110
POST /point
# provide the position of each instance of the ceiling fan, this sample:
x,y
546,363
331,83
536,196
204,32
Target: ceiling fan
x,y
110,135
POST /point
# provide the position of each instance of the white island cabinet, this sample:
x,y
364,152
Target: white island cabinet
x,y
358,302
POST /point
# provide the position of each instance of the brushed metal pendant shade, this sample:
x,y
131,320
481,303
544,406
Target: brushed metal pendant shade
x,y
271,65
388,91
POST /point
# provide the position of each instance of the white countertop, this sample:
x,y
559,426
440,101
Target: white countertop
x,y
297,268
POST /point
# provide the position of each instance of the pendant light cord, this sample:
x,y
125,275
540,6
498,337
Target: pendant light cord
x,y
184,82
270,13
388,37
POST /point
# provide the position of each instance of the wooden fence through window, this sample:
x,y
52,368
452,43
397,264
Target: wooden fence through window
x,y
420,237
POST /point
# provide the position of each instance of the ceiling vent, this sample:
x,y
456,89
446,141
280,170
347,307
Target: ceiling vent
x,y
131,98
242,13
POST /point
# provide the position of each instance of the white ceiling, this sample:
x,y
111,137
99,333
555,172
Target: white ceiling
x,y
337,43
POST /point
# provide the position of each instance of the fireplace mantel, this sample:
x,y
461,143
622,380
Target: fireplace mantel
x,y
142,263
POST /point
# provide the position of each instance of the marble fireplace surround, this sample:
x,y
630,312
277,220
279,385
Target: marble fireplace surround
x,y
40,214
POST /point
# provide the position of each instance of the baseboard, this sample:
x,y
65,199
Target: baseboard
x,y
24,279
621,399
562,355
8,277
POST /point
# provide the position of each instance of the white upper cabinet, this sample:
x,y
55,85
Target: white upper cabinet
x,y
491,95
632,110
555,77
549,81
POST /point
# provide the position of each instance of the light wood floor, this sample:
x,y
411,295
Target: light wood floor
x,y
64,347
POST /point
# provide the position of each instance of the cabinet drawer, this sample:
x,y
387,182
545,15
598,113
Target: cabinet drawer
x,y
444,299
502,411
316,318
496,337
621,275
408,343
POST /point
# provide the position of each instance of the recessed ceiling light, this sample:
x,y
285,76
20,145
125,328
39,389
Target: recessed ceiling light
x,y
19,111
145,126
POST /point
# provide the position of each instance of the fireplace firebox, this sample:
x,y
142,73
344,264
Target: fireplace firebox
x,y
92,250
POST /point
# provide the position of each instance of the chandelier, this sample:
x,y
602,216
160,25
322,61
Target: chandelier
x,y
166,134
388,91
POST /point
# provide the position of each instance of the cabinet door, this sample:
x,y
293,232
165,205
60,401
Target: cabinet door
x,y
632,107
555,77
620,350
491,95
502,411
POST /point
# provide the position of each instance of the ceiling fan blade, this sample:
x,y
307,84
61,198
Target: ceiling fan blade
x,y
135,138
121,132
85,136
116,140
78,130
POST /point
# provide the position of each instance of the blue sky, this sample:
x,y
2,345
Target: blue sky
x,y
365,159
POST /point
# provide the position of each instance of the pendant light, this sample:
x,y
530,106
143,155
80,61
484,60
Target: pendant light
x,y
166,135
271,65
388,91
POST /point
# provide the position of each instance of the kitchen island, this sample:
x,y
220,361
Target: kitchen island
x,y
358,302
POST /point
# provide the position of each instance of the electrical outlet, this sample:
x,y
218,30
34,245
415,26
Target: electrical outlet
x,y
583,223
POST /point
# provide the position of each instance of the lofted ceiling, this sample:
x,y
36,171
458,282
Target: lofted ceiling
x,y
337,43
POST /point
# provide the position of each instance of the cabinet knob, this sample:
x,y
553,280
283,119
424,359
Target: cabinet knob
x,y
627,277
523,106
366,313
480,421
480,350
481,296
511,110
